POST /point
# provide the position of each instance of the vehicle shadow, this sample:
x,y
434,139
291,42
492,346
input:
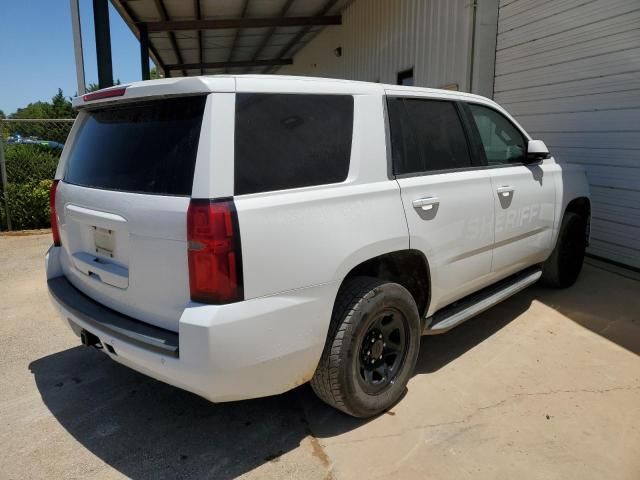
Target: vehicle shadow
x,y
436,351
601,301
146,429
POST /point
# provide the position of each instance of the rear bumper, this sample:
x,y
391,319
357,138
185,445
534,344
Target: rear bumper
x,y
111,323
249,349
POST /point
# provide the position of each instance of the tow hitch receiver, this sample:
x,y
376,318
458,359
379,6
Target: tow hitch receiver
x,y
88,339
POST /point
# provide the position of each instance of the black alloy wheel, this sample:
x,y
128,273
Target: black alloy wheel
x,y
383,351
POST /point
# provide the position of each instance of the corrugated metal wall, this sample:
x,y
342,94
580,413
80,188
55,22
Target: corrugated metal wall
x,y
380,38
570,72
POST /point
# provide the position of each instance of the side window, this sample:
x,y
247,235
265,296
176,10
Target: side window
x,y
404,150
287,141
502,141
426,135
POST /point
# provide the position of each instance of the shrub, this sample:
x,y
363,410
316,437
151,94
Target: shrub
x,y
28,204
30,170
29,163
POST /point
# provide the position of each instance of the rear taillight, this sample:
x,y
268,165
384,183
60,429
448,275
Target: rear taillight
x,y
215,256
54,217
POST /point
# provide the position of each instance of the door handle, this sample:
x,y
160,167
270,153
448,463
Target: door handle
x,y
426,203
505,191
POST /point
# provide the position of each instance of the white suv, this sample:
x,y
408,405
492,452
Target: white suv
x,y
237,236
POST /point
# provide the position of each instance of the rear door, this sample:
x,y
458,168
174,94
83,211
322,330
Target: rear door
x,y
122,204
446,193
523,195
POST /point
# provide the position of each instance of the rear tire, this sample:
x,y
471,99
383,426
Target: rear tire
x,y
562,268
371,348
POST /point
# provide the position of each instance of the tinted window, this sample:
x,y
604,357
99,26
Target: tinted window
x,y
289,141
502,141
147,148
426,135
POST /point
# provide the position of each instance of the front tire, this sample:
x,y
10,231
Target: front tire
x,y
562,268
371,348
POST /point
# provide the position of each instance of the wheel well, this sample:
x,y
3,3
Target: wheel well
x,y
581,206
408,268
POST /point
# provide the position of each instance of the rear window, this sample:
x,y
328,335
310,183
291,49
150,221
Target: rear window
x,y
291,140
146,147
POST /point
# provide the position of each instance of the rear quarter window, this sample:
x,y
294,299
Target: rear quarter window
x,y
146,147
285,141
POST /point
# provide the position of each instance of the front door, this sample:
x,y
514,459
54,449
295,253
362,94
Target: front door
x,y
523,194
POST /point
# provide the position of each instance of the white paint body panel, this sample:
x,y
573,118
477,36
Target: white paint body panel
x,y
150,244
314,235
524,201
456,234
297,245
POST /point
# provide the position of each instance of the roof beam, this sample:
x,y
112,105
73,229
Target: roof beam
x,y
265,40
198,11
303,31
243,63
144,53
243,14
164,16
103,43
228,23
130,19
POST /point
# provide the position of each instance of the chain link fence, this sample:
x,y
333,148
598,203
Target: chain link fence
x,y
29,154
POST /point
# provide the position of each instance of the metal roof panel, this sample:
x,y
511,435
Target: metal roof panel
x,y
265,43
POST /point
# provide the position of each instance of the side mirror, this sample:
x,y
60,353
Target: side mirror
x,y
536,151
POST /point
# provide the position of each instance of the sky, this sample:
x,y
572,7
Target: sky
x,y
37,56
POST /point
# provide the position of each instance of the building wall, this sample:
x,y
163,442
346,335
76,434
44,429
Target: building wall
x,y
380,38
569,71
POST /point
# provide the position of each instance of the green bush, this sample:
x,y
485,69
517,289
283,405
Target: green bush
x,y
30,170
29,163
28,204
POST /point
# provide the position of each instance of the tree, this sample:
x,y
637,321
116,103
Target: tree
x,y
92,87
59,107
2,115
33,110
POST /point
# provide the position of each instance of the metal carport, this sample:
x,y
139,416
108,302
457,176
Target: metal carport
x,y
200,37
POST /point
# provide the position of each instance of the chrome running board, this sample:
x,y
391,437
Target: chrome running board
x,y
470,306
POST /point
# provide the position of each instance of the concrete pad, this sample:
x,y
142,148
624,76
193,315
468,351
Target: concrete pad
x,y
545,385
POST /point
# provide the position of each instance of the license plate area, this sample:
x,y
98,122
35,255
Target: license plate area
x,y
104,241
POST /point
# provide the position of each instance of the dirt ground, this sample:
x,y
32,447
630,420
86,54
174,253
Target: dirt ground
x,y
545,385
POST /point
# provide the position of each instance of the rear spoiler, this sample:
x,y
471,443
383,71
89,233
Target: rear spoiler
x,y
166,87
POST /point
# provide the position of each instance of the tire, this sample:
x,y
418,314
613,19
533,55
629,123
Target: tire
x,y
562,268
364,381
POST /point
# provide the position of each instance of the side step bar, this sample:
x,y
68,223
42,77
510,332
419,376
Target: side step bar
x,y
461,311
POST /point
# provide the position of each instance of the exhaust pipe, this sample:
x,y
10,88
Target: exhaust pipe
x,y
88,339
